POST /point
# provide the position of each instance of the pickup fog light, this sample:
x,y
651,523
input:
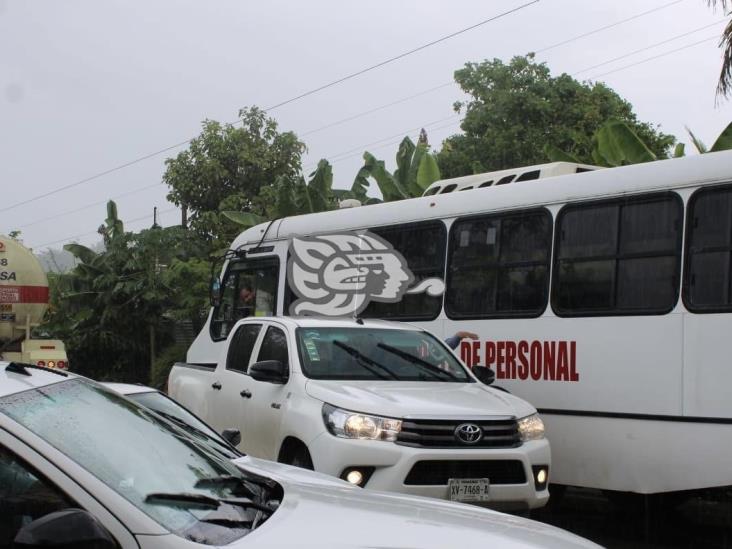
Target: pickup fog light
x,y
358,476
347,424
541,476
531,428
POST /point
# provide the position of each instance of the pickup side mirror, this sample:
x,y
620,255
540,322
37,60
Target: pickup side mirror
x,y
485,375
67,528
232,436
271,371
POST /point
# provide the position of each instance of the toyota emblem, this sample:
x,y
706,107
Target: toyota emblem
x,y
469,433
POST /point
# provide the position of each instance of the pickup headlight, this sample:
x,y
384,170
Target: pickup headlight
x,y
531,428
347,424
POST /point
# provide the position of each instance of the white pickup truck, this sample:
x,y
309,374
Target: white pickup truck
x,y
382,405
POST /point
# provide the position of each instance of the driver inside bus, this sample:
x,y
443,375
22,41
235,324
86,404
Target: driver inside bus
x,y
247,301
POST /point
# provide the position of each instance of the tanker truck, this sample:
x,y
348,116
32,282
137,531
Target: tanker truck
x,y
23,304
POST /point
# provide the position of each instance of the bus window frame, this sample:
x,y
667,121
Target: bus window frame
x,y
686,285
274,260
622,200
437,222
535,313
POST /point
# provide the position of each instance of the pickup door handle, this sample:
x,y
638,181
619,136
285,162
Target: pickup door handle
x,y
216,385
245,393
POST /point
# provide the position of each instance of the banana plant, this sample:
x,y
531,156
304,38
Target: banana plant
x,y
615,144
416,170
289,197
722,143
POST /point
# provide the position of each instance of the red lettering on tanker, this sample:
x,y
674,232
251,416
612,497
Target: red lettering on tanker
x,y
536,360
23,294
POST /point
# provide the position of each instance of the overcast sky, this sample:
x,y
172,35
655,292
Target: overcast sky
x,y
88,85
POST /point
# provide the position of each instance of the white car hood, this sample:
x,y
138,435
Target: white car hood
x,y
321,511
419,398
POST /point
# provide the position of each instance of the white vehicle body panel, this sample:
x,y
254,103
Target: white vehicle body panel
x,y
274,413
317,510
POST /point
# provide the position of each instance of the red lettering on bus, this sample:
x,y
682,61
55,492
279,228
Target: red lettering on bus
x,y
475,352
511,359
562,362
490,353
523,369
465,352
535,362
549,360
573,375
500,359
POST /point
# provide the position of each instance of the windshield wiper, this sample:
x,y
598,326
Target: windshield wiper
x,y
365,361
202,501
431,368
191,429
183,499
238,484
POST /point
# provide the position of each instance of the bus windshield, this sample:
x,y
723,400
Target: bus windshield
x,y
377,354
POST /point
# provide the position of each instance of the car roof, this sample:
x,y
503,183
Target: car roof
x,y
13,382
335,322
128,388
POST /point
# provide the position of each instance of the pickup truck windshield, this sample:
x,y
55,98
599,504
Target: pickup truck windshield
x,y
376,354
175,480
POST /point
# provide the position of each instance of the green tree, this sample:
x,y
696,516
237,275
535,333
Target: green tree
x,y
225,167
291,196
517,109
116,310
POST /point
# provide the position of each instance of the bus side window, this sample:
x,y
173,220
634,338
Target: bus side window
x,y
618,256
423,247
499,265
249,289
708,284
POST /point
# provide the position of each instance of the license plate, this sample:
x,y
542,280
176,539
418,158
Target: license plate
x,y
468,489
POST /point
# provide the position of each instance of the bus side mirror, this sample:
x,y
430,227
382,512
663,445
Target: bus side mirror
x,y
484,375
215,292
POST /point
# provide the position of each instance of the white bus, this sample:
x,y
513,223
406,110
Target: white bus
x,y
604,298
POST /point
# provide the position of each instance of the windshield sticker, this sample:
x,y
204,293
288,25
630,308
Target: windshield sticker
x,y
340,274
312,350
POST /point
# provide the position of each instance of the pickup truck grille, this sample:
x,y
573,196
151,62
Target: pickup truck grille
x,y
438,472
444,433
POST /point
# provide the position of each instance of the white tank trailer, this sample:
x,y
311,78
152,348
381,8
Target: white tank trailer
x,y
23,304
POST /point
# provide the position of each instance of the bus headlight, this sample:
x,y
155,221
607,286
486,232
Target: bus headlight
x,y
347,424
531,428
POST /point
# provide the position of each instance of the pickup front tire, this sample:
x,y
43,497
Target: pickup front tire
x,y
294,452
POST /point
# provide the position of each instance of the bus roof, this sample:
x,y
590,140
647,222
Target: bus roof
x,y
661,175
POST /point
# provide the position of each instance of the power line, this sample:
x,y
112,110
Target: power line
x,y
655,57
606,27
82,208
405,54
648,47
280,104
361,148
141,218
376,109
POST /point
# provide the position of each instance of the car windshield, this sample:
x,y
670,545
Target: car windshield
x,y
177,481
170,409
377,354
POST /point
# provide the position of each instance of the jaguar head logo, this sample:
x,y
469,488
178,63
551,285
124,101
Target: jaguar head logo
x,y
340,274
